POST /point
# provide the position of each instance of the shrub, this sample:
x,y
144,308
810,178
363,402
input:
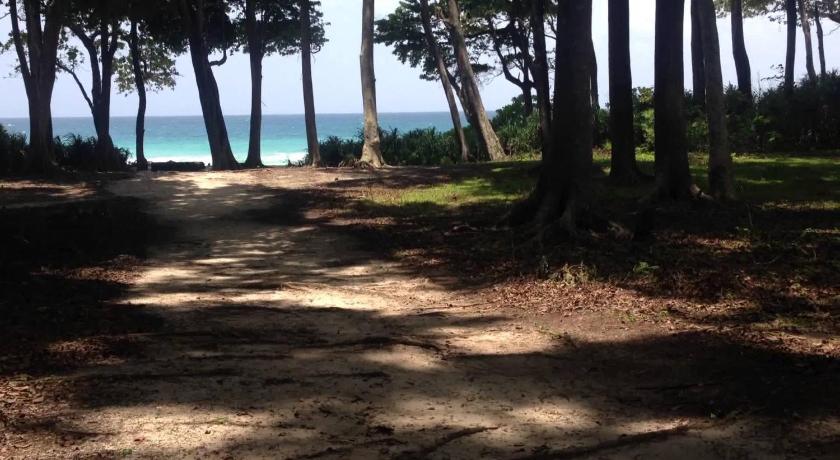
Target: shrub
x,y
79,153
12,152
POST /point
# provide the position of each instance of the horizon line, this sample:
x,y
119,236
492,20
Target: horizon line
x,y
247,115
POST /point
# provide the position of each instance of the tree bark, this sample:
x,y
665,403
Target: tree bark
x,y
308,91
372,150
140,83
255,57
541,75
673,179
594,90
563,190
698,73
37,52
434,50
739,48
790,55
809,46
720,158
208,90
624,169
820,40
487,135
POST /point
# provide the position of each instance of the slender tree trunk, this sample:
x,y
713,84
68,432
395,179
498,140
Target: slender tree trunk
x,y
255,57
208,90
487,135
541,75
720,158
372,150
140,83
595,91
739,48
308,91
624,169
37,52
790,55
698,73
434,49
673,178
804,6
820,40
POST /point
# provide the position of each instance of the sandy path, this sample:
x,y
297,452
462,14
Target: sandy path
x,y
283,339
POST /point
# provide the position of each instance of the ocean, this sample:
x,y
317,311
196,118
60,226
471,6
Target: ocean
x,y
183,138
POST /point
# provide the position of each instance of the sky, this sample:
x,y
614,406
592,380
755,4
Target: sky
x,y
336,70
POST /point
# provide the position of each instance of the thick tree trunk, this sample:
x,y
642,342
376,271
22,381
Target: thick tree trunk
x,y
37,52
595,91
673,178
255,57
698,73
208,90
790,55
434,49
487,135
623,168
140,83
540,72
820,40
372,150
720,158
308,91
804,6
739,48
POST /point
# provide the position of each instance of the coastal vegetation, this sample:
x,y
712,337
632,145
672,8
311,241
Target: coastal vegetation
x,y
553,279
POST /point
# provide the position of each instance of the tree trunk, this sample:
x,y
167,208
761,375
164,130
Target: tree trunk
x,y
541,75
37,52
673,179
820,40
308,91
720,158
434,49
739,49
698,73
487,135
140,83
804,6
623,168
255,57
790,55
372,150
208,90
595,91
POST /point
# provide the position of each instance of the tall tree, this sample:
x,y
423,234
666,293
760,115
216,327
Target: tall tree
x,y
698,72
820,38
563,190
720,158
434,49
37,51
372,150
256,52
804,8
541,80
739,48
97,25
673,178
623,168
194,19
487,135
790,55
308,91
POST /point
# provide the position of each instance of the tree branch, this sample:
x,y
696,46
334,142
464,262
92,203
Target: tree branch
x,y
78,83
220,61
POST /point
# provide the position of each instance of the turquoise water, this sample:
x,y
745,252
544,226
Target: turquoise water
x,y
283,136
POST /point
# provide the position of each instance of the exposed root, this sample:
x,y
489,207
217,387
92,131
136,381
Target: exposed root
x,y
424,452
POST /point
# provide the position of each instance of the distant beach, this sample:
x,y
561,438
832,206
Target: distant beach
x,y
183,138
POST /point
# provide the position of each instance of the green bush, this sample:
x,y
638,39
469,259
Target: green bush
x,y
80,153
12,152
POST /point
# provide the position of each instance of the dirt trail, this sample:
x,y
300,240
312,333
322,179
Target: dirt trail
x,y
283,338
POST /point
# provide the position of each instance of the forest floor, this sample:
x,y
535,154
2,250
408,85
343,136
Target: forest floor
x,y
308,314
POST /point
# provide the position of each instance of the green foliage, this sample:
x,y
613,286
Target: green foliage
x,y
12,151
80,153
336,151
